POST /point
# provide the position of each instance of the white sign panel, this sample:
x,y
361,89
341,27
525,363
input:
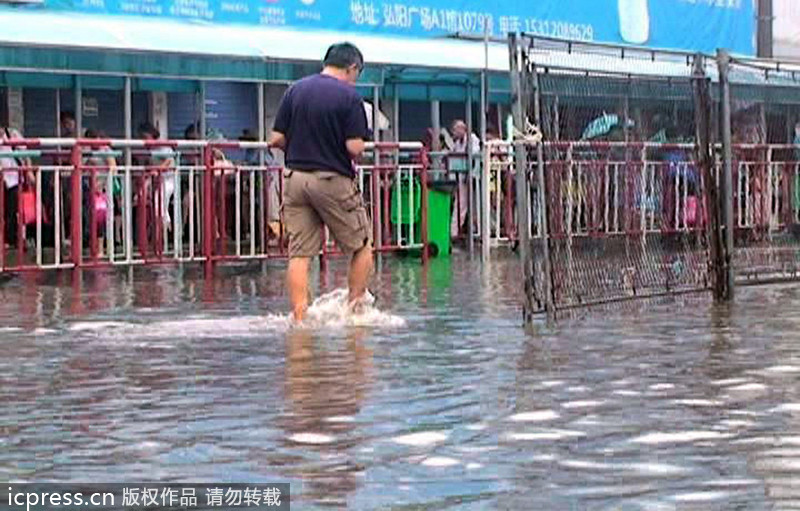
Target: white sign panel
x,y
786,29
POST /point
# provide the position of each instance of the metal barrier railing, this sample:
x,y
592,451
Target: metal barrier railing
x,y
498,199
766,186
142,202
608,188
597,189
87,202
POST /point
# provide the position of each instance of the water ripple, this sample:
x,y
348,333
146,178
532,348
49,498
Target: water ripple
x,y
433,398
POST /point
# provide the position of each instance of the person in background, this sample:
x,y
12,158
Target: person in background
x,y
17,175
192,132
192,159
251,158
104,165
796,140
427,139
271,183
224,171
161,161
427,147
498,174
463,141
69,127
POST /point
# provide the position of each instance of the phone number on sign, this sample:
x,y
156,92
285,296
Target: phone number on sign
x,y
559,29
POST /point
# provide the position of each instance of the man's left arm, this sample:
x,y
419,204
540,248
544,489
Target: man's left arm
x,y
277,140
355,130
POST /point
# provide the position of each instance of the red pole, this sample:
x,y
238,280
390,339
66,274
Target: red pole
x,y
376,226
208,209
424,207
142,215
92,215
20,225
77,221
2,220
158,228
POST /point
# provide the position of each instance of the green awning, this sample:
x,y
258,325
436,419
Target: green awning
x,y
45,49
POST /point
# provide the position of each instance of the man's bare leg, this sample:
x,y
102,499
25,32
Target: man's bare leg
x,y
360,272
297,284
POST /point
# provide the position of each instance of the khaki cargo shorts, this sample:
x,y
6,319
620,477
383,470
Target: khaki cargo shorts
x,y
314,199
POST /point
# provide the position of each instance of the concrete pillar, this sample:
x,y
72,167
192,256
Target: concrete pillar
x,y
158,114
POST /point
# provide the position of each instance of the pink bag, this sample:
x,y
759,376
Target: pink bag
x,y
692,206
27,199
100,207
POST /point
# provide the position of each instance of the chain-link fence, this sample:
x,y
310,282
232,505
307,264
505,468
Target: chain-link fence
x,y
765,133
625,188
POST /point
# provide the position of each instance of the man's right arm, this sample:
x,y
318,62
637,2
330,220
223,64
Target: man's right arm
x,y
283,120
355,146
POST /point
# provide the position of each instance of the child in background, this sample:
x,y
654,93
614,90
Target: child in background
x,y
104,164
19,180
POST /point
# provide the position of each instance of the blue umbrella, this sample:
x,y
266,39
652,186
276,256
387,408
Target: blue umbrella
x,y
602,126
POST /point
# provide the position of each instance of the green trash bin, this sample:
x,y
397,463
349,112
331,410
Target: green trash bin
x,y
439,200
797,192
401,214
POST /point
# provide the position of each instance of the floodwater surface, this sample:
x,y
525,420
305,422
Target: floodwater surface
x,y
434,399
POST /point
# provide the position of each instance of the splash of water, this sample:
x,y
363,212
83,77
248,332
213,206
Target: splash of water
x,y
332,310
328,312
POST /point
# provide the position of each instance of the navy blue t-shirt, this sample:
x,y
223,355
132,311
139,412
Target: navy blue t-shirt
x,y
318,114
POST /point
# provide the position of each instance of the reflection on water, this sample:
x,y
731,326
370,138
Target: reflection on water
x,y
160,374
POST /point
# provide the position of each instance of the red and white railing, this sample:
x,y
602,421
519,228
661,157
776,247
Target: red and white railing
x,y
88,202
618,188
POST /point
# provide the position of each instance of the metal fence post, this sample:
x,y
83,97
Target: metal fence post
x,y
381,197
541,194
77,203
706,164
520,161
471,159
723,64
485,200
127,204
208,207
484,197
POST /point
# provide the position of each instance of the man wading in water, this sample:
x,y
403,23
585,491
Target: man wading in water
x,y
321,126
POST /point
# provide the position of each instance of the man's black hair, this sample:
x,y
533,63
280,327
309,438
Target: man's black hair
x,y
148,128
247,136
343,55
192,129
67,114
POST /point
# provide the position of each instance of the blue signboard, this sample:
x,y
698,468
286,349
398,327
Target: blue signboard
x,y
696,25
